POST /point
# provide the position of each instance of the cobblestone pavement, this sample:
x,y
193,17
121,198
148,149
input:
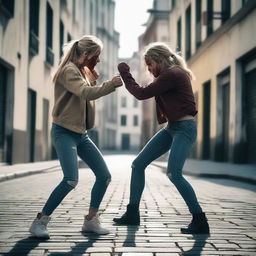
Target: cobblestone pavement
x,y
230,207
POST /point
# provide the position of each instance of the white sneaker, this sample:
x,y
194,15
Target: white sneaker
x,y
93,225
38,227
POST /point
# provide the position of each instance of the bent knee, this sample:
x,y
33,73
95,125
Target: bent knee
x,y
104,180
72,183
138,164
173,177
108,180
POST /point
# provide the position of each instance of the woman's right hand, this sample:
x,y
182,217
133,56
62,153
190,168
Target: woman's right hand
x,y
116,80
123,67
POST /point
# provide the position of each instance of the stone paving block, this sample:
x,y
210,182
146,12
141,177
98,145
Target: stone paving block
x,y
100,254
137,254
166,254
145,249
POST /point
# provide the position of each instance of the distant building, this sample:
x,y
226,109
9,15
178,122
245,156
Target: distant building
x,y
32,33
128,132
106,107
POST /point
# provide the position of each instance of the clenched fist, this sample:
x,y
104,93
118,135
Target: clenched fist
x,y
116,80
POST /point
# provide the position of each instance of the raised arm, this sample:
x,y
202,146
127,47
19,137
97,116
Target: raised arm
x,y
162,84
74,83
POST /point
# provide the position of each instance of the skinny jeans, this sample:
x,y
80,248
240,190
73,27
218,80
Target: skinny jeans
x,y
178,137
69,145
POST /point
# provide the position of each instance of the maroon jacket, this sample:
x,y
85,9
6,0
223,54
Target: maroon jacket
x,y
172,91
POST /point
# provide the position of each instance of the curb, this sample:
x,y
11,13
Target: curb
x,y
215,176
27,173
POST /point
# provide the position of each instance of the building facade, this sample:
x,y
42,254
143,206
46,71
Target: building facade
x,y
217,39
32,33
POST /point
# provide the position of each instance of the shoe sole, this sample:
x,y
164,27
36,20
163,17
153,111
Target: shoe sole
x,y
126,224
195,233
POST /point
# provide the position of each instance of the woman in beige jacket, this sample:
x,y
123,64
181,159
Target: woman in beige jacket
x,y
73,114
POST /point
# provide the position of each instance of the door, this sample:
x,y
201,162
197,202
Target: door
x,y
2,111
31,124
6,111
250,115
125,141
206,120
225,121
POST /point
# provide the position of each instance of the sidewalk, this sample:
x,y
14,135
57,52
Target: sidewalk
x,y
193,167
210,169
8,172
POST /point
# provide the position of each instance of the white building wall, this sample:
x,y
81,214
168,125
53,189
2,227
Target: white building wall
x,y
220,51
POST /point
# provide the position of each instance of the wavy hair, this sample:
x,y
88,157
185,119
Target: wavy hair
x,y
162,53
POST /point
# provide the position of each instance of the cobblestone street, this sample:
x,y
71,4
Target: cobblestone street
x,y
229,205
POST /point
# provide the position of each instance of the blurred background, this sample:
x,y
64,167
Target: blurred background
x,y
216,37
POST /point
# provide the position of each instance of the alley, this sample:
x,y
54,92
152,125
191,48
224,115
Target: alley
x,y
230,207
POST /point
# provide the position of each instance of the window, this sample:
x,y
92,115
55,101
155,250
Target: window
x,y
179,34
209,17
34,26
198,22
7,8
173,4
91,13
61,37
123,120
135,103
69,37
49,35
123,102
188,32
135,121
225,9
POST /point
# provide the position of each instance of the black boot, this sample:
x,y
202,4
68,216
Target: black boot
x,y
198,225
130,217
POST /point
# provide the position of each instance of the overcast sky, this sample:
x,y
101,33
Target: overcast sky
x,y
129,17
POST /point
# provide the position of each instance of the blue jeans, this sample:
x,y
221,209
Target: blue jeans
x,y
178,137
68,146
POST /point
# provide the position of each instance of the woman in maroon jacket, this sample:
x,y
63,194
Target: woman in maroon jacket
x,y
175,104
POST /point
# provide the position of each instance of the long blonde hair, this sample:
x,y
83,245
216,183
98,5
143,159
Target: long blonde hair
x,y
72,51
162,53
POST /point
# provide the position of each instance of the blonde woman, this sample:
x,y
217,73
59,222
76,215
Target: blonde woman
x,y
175,105
73,114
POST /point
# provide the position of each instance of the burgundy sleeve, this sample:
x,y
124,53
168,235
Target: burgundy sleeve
x,y
163,83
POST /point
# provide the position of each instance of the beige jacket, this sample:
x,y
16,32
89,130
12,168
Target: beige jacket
x,y
74,106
